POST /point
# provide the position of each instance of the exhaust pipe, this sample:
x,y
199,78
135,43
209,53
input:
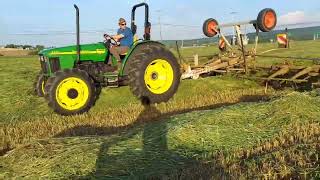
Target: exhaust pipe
x,y
78,33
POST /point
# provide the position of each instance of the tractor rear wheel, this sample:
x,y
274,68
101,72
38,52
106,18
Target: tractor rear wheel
x,y
39,85
70,92
154,74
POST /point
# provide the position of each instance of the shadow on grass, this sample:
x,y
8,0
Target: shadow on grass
x,y
152,161
149,115
117,159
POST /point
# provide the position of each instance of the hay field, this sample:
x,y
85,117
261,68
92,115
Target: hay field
x,y
214,127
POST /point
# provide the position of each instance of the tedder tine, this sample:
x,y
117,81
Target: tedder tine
x,y
284,70
301,73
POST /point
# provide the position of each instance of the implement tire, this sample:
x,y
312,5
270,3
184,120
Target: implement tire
x,y
266,20
70,92
154,74
208,26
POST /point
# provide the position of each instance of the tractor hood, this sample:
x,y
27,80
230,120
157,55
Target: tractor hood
x,y
95,51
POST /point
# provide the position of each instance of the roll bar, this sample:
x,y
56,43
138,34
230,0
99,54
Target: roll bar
x,y
147,24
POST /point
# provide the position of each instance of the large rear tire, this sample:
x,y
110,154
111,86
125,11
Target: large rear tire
x,y
70,92
154,76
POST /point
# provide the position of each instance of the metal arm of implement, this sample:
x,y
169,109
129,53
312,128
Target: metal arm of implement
x,y
237,23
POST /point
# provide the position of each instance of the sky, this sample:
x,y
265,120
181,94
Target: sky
x,y
52,22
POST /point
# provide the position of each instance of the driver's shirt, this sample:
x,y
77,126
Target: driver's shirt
x,y
127,40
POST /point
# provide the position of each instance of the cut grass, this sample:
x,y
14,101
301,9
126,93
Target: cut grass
x,y
235,141
24,119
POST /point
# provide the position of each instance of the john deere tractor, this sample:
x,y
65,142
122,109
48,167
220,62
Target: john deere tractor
x,y
72,77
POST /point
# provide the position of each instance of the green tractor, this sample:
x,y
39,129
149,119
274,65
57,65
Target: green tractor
x,y
72,77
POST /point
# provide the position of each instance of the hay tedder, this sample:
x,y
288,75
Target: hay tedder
x,y
234,57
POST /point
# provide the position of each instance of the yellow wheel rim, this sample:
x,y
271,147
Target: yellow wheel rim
x,y
158,76
42,87
72,93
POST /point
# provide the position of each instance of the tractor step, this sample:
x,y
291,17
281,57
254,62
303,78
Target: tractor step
x,y
112,80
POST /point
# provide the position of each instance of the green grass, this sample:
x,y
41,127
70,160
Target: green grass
x,y
25,117
18,103
304,49
166,147
155,142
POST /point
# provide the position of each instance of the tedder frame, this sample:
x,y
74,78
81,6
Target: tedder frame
x,y
238,59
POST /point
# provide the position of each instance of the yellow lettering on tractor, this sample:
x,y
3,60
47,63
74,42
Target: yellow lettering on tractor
x,y
98,51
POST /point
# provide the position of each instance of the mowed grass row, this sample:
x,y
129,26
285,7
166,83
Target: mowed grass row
x,y
25,117
275,139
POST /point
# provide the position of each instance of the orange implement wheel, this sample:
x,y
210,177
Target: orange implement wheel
x,y
267,20
210,27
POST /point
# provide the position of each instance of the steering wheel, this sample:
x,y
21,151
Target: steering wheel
x,y
109,40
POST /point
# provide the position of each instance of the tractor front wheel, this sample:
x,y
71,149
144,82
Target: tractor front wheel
x,y
70,92
39,85
154,75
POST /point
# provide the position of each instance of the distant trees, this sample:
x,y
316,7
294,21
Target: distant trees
x,y
39,47
11,46
29,47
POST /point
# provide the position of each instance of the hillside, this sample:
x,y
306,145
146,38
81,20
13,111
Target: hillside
x,y
298,34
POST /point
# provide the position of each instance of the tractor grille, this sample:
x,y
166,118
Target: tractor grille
x,y
54,64
44,65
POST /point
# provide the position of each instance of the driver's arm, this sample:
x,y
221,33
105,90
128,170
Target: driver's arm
x,y
117,37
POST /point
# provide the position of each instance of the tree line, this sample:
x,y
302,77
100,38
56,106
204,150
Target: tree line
x,y
29,47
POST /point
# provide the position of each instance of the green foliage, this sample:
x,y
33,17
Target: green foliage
x,y
11,46
37,47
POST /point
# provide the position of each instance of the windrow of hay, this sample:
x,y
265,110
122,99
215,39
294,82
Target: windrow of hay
x,y
293,154
278,139
116,120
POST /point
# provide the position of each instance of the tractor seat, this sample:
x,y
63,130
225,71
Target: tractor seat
x,y
122,56
135,41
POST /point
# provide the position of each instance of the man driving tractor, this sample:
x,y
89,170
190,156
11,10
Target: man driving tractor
x,y
125,38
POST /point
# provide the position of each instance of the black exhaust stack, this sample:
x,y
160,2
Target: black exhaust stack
x,y
78,33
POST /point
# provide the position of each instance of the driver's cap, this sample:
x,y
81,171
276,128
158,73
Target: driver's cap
x,y
122,20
